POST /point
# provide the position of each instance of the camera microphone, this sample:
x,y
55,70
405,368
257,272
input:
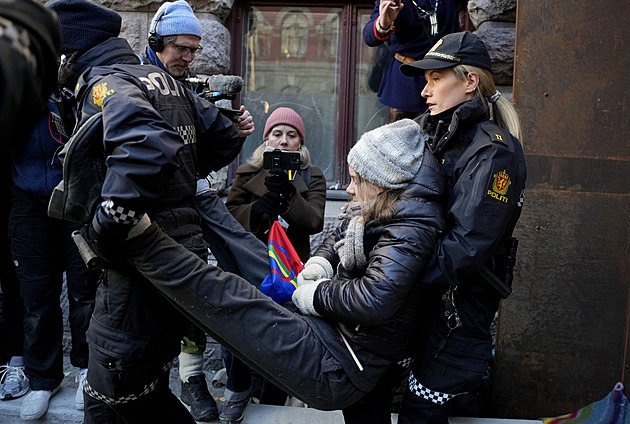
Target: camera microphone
x,y
218,87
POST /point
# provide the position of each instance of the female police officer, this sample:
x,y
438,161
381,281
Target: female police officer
x,y
474,132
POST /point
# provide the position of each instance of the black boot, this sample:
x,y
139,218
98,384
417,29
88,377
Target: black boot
x,y
195,394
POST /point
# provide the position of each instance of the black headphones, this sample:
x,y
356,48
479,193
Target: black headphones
x,y
156,41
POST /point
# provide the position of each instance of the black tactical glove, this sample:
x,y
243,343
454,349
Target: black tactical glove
x,y
279,183
107,244
100,246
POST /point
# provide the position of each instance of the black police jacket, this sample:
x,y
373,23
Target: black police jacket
x,y
486,174
158,136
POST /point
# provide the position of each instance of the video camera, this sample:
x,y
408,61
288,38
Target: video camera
x,y
220,87
280,160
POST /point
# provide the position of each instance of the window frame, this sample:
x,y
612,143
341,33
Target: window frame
x,y
348,58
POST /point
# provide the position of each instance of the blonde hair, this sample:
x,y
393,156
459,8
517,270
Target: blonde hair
x,y
501,111
256,160
382,206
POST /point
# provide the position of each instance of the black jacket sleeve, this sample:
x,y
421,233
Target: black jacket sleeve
x,y
393,266
218,139
490,179
141,147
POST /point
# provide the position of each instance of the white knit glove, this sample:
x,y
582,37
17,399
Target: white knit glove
x,y
315,269
303,297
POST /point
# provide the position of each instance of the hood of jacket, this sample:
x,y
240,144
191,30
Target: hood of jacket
x,y
111,51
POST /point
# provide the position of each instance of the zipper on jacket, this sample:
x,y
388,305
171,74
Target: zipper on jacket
x,y
483,159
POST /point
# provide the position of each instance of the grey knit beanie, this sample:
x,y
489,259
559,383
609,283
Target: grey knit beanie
x,y
389,156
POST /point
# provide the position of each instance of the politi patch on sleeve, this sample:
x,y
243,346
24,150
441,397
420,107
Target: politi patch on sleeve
x,y
100,92
499,186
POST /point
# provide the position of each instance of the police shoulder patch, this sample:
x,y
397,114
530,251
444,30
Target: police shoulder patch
x,y
100,92
499,186
496,137
496,134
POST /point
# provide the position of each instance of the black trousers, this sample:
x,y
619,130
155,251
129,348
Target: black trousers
x,y
463,382
159,406
240,252
375,407
288,349
136,332
12,329
236,250
43,249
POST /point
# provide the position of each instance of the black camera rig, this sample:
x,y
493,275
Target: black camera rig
x,y
277,161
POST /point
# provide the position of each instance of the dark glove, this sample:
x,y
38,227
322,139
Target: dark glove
x,y
270,203
107,245
279,183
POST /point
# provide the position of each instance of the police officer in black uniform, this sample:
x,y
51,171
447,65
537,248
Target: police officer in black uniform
x,y
475,133
158,138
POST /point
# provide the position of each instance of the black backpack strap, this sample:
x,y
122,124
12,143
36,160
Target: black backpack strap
x,y
78,194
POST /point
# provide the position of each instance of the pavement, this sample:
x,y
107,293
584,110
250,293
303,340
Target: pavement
x,y
62,410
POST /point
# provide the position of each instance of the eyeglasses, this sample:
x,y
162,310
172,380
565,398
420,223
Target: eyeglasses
x,y
184,50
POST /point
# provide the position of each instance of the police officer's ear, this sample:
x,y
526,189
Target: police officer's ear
x,y
472,82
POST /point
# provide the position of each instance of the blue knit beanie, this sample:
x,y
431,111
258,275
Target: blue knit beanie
x,y
175,18
85,24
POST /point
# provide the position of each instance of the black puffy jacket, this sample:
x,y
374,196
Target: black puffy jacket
x,y
378,307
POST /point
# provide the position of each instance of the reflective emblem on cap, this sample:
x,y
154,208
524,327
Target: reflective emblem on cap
x,y
436,45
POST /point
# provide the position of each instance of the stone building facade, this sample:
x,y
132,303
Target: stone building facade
x,y
494,20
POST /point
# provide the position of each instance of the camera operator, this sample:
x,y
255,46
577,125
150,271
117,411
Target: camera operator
x,y
173,41
258,198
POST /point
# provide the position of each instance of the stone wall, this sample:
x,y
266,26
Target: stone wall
x,y
495,21
216,39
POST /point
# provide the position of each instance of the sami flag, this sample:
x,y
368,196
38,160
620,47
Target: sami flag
x,y
285,266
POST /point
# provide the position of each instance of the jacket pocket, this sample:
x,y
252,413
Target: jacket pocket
x,y
119,367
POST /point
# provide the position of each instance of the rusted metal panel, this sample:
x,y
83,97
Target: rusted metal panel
x,y
571,77
563,336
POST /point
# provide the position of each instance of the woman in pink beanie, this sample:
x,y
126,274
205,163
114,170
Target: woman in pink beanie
x,y
257,199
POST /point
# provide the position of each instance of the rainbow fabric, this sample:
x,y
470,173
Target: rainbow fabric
x,y
285,266
613,409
